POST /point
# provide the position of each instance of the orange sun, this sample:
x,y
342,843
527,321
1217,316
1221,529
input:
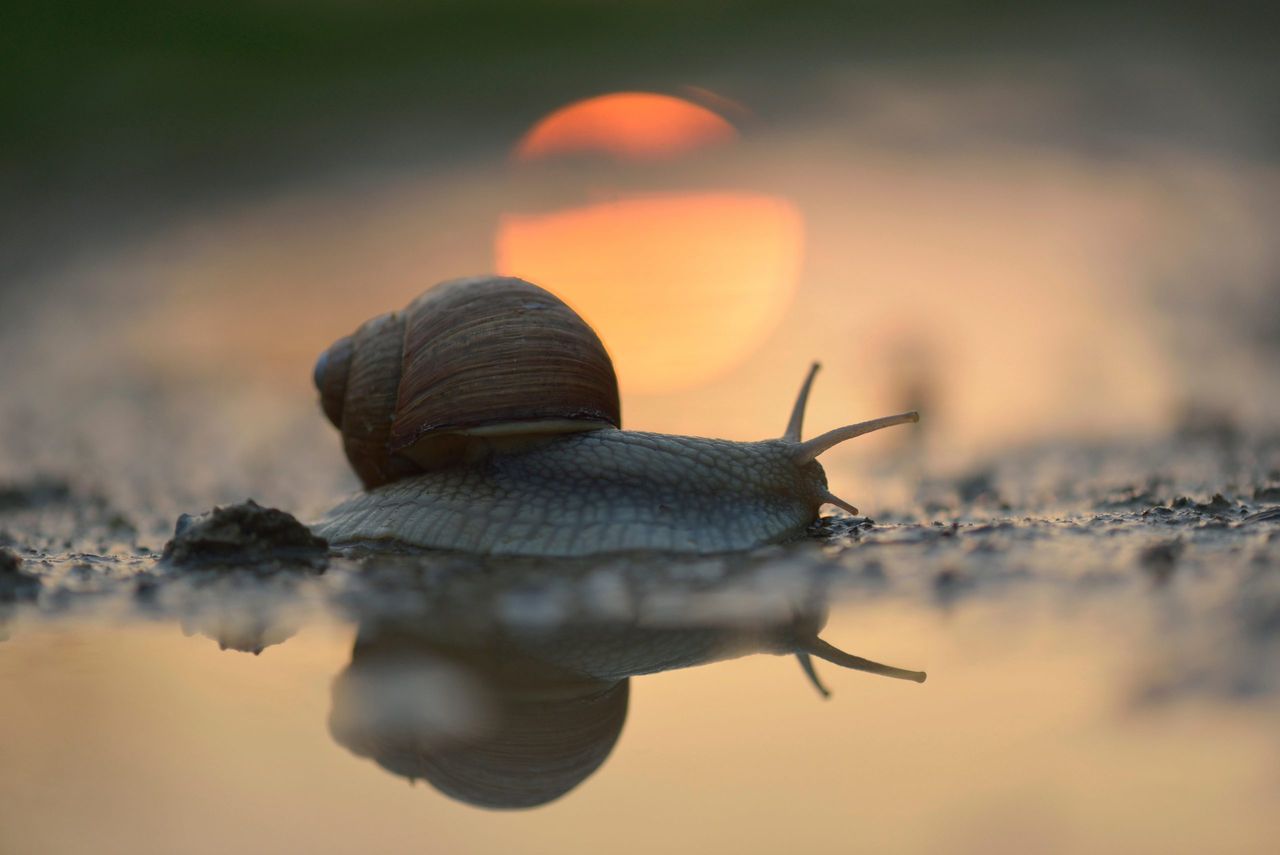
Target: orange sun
x,y
628,125
681,284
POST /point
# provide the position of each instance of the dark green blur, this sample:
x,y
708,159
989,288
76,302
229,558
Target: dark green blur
x,y
157,104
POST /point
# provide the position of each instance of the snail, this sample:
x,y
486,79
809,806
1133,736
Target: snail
x,y
485,418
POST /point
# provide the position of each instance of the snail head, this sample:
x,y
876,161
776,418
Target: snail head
x,y
803,453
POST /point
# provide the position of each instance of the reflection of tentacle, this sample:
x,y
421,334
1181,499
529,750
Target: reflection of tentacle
x,y
806,662
835,655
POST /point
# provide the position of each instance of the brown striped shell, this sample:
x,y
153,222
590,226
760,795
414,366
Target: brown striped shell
x,y
470,363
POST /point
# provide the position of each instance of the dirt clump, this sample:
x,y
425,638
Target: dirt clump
x,y
244,536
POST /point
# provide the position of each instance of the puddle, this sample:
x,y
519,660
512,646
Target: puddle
x,y
1097,682
1028,734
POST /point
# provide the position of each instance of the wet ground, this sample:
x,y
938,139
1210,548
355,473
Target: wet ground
x,y
1100,626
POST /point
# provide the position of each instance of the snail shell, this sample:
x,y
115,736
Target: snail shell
x,y
469,365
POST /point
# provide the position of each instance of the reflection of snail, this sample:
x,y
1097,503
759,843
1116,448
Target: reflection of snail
x,y
484,418
503,715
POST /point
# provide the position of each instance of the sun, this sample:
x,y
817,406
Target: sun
x,y
682,282
627,125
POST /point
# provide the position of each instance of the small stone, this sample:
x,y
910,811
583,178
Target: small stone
x,y
1217,505
1129,496
1270,493
246,536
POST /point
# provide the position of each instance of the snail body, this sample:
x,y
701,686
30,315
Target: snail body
x,y
602,491
558,477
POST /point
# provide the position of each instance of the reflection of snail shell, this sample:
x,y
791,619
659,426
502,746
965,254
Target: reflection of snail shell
x,y
545,748
538,734
484,418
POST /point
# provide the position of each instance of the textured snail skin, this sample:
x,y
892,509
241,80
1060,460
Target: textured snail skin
x,y
598,492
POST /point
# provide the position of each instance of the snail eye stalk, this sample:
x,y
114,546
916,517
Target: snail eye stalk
x,y
807,452
815,646
796,423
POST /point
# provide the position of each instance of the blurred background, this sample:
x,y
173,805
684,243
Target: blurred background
x,y
1050,227
1031,221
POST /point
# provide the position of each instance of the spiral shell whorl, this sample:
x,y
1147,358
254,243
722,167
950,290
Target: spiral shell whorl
x,y
468,362
499,356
